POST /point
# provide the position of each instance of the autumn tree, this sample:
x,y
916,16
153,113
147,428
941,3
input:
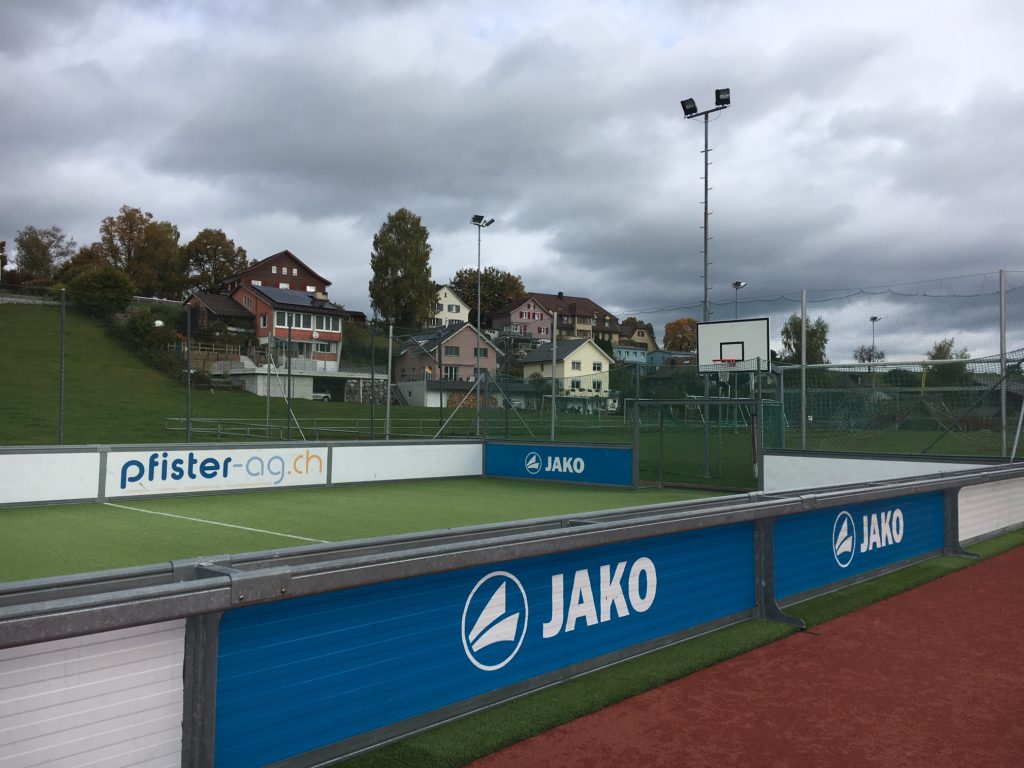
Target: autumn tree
x,y
212,256
817,340
680,335
401,290
497,288
41,252
146,250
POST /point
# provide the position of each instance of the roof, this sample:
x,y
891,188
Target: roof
x,y
577,306
514,305
542,354
261,262
221,305
282,297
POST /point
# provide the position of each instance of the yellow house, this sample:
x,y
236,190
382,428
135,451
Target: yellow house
x,y
580,368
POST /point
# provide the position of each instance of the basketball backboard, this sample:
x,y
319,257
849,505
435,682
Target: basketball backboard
x,y
744,341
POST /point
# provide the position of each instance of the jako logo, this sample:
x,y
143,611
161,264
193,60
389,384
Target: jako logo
x,y
533,463
494,620
879,530
844,539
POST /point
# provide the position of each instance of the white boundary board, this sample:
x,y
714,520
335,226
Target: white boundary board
x,y
740,340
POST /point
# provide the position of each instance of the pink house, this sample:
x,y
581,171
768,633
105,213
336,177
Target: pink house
x,y
448,354
523,317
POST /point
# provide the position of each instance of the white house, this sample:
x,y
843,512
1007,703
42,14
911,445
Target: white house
x,y
449,309
580,369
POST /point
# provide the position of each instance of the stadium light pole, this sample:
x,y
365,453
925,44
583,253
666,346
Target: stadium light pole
x,y
479,222
722,101
874,319
736,307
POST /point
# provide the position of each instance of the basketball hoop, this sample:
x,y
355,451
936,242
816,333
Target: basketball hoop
x,y
727,365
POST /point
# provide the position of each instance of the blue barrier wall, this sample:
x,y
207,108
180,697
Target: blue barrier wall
x,y
816,549
297,675
598,465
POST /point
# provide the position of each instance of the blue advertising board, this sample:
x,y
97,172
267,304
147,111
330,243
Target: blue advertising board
x,y
815,549
297,675
597,465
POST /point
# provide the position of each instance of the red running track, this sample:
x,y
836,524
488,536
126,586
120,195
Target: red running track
x,y
934,676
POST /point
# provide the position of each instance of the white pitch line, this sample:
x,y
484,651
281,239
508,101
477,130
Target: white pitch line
x,y
213,522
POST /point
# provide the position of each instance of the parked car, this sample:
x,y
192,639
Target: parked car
x,y
325,396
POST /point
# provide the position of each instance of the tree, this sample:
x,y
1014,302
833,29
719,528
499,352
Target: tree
x,y
41,252
866,353
401,290
211,256
950,373
101,292
680,335
87,259
146,250
817,340
497,288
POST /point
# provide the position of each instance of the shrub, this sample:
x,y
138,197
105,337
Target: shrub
x,y
101,292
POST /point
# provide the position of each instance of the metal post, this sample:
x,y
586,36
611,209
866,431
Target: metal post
x,y
707,307
440,385
554,358
476,360
803,370
288,432
60,416
508,402
1002,360
188,373
373,379
387,406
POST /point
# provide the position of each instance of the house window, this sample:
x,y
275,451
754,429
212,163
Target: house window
x,y
596,385
257,282
453,308
247,301
576,384
598,366
438,307
451,351
335,323
321,322
451,373
273,270
263,320
310,289
480,351
284,286
279,319
307,321
577,365
295,271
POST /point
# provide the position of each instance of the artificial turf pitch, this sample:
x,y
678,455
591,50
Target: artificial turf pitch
x,y
42,541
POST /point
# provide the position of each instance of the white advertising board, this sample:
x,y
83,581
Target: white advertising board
x,y
360,464
791,473
985,509
201,470
35,477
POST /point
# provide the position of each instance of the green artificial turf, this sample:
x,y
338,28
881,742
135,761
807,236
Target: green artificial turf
x,y
61,539
462,741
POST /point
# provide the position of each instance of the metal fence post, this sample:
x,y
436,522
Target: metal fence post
x,y
60,416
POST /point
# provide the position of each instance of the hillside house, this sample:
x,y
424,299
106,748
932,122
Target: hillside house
x,y
580,368
447,354
637,334
580,317
449,309
283,270
523,317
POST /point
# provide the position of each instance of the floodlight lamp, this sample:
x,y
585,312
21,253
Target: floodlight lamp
x,y
722,97
477,219
874,318
488,222
689,107
739,284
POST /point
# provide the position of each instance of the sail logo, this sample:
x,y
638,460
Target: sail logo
x,y
878,530
844,539
533,462
494,620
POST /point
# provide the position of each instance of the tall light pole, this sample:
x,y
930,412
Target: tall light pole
x,y
736,307
479,222
690,110
874,319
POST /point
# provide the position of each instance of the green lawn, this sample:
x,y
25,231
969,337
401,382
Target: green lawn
x,y
73,538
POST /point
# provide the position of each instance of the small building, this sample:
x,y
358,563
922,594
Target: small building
x,y
630,354
638,334
580,317
448,354
283,270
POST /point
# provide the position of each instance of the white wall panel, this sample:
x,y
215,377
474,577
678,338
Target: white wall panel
x,y
790,473
360,464
34,477
990,507
112,699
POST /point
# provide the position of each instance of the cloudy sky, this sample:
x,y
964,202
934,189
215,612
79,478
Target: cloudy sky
x,y
870,144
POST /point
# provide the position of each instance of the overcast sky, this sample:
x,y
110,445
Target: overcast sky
x,y
869,143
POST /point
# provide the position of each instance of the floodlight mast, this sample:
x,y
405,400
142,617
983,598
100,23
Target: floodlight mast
x,y
479,222
722,101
